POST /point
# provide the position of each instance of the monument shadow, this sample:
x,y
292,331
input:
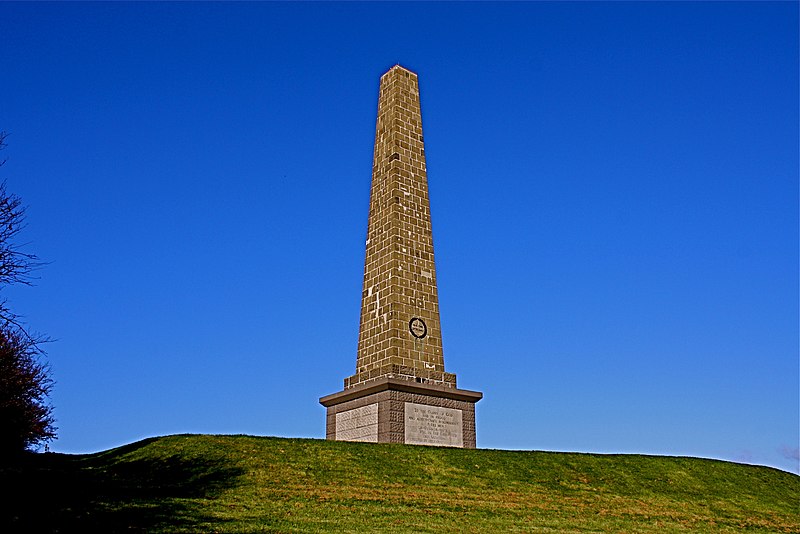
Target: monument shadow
x,y
99,493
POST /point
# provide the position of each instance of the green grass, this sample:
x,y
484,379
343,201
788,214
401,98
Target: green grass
x,y
248,484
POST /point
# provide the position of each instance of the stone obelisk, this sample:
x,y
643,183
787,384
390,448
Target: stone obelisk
x,y
400,392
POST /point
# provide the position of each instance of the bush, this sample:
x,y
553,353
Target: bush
x,y
25,418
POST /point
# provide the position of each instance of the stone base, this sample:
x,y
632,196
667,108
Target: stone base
x,y
413,374
391,410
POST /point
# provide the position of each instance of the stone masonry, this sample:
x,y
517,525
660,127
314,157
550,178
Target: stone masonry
x,y
400,380
399,272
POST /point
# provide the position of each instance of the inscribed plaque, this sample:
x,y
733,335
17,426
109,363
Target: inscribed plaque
x,y
359,424
433,425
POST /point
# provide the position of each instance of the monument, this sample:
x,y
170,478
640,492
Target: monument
x,y
400,392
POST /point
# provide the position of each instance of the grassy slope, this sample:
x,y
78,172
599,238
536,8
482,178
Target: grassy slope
x,y
250,484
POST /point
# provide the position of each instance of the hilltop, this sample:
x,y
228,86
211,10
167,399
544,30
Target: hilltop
x,y
191,483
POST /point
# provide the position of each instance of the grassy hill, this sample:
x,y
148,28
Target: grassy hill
x,y
248,484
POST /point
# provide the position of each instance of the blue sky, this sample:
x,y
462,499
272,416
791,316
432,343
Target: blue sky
x,y
614,193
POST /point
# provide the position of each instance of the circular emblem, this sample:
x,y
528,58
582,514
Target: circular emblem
x,y
418,328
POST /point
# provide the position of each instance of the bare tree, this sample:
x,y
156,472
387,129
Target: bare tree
x,y
16,266
25,384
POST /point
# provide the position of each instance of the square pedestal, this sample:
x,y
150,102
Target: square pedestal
x,y
391,410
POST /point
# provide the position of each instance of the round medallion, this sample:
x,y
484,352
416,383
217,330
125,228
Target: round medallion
x,y
418,328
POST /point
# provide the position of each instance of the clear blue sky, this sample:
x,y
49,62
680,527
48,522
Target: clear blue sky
x,y
614,191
